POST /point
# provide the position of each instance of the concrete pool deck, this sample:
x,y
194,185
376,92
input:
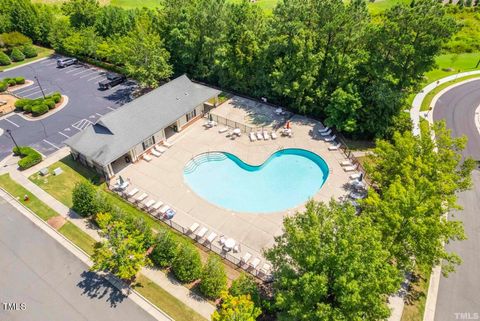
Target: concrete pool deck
x,y
162,179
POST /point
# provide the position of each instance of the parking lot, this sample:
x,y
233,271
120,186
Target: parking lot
x,y
86,104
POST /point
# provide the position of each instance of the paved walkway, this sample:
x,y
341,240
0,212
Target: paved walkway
x,y
177,290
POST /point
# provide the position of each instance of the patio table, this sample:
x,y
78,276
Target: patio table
x,y
229,243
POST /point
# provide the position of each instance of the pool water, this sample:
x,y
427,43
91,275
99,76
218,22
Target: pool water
x,y
286,179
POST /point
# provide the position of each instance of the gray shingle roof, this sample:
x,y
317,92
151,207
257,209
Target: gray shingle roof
x,y
119,131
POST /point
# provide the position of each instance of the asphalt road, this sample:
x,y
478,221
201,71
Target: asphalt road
x,y
459,294
86,104
50,282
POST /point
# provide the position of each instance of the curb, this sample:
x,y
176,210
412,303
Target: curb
x,y
47,114
136,297
26,64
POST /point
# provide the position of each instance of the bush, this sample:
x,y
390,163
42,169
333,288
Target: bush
x,y
4,59
56,97
11,82
14,39
17,55
50,103
21,103
19,80
187,265
84,198
39,109
165,249
246,285
30,157
213,278
3,85
29,51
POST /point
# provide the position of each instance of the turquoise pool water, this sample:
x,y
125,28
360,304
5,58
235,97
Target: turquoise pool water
x,y
286,179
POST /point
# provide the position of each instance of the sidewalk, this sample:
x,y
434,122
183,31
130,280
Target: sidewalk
x,y
177,290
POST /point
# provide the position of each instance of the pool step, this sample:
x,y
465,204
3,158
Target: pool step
x,y
203,158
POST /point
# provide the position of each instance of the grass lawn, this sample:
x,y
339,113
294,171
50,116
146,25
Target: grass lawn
x,y
456,62
415,301
161,298
429,97
77,236
34,204
131,4
42,52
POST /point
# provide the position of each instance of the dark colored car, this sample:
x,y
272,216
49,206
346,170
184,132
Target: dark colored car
x,y
111,81
65,62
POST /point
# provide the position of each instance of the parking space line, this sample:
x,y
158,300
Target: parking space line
x,y
110,108
72,70
101,80
82,124
88,74
11,122
81,72
96,77
32,94
99,114
64,134
51,144
52,63
25,90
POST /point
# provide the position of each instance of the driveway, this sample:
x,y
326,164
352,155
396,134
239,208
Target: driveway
x,y
47,282
86,104
458,296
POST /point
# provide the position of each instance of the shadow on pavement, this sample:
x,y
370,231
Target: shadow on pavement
x,y
96,287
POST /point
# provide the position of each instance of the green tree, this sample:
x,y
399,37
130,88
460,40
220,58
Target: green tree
x,y
84,199
82,13
29,51
4,59
213,277
17,55
112,20
236,308
187,265
330,264
417,180
123,253
165,249
245,284
342,109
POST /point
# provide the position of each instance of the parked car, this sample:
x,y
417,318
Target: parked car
x,y
111,81
65,62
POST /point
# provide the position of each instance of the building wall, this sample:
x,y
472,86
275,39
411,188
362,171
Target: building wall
x,y
182,121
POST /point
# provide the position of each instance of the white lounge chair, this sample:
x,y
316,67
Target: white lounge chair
x,y
355,176
193,227
211,237
157,205
255,262
168,145
324,130
246,258
265,268
330,139
350,168
274,136
160,149
266,136
164,209
334,147
252,137
133,192
259,135
201,233
327,133
156,153
346,163
146,157
141,197
223,130
149,204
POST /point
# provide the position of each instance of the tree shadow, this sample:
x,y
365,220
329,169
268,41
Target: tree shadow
x,y
97,287
122,94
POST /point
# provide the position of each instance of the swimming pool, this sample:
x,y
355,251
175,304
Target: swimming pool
x,y
288,178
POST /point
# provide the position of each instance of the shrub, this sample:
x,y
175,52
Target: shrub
x,y
21,103
29,51
50,103
187,265
213,278
84,199
165,249
4,59
14,39
3,85
17,55
11,82
19,80
245,285
57,97
39,109
30,156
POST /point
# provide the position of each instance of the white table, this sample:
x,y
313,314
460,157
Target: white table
x,y
229,243
237,131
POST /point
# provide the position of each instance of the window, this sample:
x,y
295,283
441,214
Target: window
x,y
191,115
148,142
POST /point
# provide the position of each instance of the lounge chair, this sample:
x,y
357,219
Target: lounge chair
x,y
274,136
266,136
164,209
160,149
133,192
324,130
201,233
149,204
156,153
334,147
168,145
255,262
157,205
327,133
265,268
141,197
259,135
355,176
211,237
346,163
330,139
193,227
252,137
246,258
350,168
223,130
147,157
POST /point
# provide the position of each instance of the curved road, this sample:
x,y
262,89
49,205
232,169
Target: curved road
x,y
459,294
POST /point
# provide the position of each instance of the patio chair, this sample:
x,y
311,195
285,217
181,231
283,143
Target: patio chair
x,y
149,204
223,130
252,137
255,262
222,239
246,258
259,135
157,205
193,227
265,268
327,133
355,176
141,197
274,136
211,237
265,135
201,233
156,153
334,147
168,145
133,192
346,163
350,168
164,209
147,158
324,130
160,149
357,196
330,139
